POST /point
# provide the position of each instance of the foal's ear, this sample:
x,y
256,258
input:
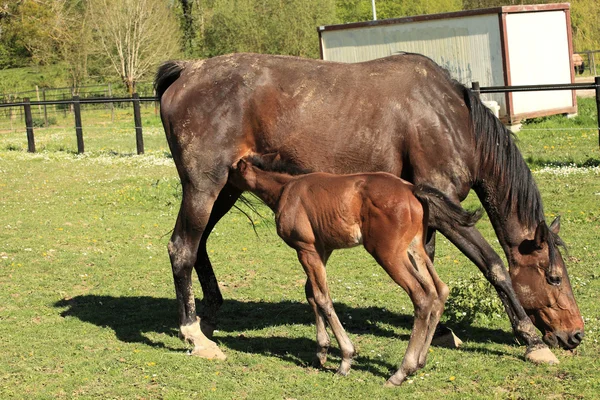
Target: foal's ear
x,y
555,225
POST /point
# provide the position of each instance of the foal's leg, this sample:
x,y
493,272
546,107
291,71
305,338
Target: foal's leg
x,y
212,299
314,267
443,336
415,280
323,340
438,308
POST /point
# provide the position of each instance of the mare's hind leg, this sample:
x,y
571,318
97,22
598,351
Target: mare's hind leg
x,y
183,247
314,267
212,299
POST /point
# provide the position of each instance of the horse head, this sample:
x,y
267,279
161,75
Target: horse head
x,y
542,284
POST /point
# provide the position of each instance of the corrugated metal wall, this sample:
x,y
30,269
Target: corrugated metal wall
x,y
468,47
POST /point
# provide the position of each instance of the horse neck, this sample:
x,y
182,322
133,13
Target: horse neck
x,y
268,186
504,183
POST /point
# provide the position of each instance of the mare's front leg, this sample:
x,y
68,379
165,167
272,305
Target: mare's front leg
x,y
183,247
212,299
314,266
477,249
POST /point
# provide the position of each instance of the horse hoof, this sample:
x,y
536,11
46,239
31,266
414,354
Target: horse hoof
x,y
541,356
207,328
211,352
390,384
448,340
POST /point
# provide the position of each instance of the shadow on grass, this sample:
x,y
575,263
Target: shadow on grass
x,y
132,317
537,162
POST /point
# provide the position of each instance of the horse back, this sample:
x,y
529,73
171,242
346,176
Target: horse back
x,y
383,115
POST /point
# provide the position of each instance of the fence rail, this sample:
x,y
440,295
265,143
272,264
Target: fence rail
x,y
76,102
534,88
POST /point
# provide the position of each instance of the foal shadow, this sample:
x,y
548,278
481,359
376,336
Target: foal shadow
x,y
132,318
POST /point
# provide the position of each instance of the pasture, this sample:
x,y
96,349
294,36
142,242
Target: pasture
x,y
88,309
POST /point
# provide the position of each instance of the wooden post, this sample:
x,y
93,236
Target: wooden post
x,y
78,129
597,83
137,116
29,125
475,88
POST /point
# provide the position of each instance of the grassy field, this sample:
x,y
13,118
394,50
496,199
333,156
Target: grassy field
x,y
88,310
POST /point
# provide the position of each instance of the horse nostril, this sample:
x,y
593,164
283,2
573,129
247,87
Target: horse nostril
x,y
577,337
554,280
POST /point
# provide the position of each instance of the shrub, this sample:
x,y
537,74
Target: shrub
x,y
472,299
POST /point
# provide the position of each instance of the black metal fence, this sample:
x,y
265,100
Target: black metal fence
x,y
535,88
76,102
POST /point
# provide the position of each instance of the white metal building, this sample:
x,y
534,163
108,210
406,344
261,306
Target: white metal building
x,y
501,46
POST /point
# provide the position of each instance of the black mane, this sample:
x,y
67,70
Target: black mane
x,y
504,172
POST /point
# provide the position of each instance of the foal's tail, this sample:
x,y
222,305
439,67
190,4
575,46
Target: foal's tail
x,y
167,73
443,212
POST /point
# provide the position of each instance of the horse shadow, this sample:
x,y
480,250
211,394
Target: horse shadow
x,y
132,318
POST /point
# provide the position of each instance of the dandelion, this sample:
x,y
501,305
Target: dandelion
x,y
452,378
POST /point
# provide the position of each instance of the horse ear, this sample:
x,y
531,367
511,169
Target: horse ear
x,y
541,235
555,225
242,165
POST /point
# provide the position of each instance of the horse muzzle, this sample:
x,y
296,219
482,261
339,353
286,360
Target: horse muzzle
x,y
567,341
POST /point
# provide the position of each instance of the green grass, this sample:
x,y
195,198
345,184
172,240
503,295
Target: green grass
x,y
88,310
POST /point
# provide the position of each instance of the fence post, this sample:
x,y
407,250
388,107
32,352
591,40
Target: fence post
x,y
78,129
29,125
597,83
112,105
45,108
475,88
137,116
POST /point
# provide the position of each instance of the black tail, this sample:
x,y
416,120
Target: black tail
x,y
443,212
167,73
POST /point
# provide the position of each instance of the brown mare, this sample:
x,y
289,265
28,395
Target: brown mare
x,y
320,212
401,114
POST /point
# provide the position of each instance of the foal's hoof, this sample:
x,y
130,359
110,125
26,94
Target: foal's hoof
x,y
344,369
541,355
319,362
390,383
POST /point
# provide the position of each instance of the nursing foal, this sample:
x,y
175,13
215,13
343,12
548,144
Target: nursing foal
x,y
317,213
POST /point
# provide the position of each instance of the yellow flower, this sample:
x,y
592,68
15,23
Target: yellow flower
x,y
452,378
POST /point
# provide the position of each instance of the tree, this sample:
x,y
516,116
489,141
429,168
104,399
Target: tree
x,y
266,26
134,35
